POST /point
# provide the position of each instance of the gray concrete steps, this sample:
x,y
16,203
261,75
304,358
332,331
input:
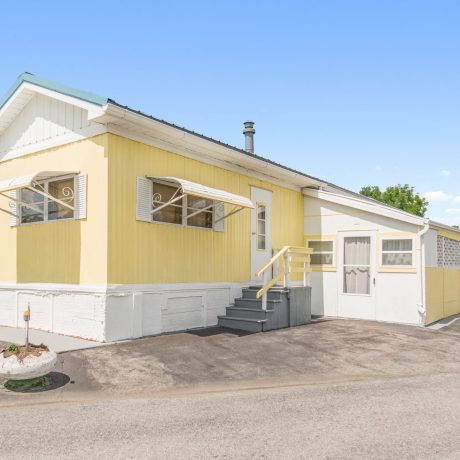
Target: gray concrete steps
x,y
252,313
247,313
285,308
243,302
273,294
244,324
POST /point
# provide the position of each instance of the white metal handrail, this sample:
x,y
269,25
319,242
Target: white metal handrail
x,y
286,260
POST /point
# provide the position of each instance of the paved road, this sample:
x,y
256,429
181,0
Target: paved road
x,y
336,389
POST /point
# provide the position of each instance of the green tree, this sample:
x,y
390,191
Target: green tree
x,y
400,196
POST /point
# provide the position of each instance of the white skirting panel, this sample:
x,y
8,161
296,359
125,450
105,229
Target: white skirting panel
x,y
109,313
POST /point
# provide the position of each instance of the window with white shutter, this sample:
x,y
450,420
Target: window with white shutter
x,y
80,196
144,196
14,221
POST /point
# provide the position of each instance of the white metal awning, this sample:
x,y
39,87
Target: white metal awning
x,y
28,180
185,187
192,188
31,182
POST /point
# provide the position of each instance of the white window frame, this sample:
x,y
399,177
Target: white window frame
x,y
185,209
45,183
323,240
382,252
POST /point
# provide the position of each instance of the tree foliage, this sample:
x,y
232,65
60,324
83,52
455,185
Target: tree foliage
x,y
400,196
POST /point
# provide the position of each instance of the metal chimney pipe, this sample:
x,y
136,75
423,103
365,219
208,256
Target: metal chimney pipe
x,y
249,132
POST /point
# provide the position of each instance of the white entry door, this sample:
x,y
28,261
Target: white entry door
x,y
261,229
356,275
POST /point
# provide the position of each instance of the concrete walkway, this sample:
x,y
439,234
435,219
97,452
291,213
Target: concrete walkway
x,y
56,342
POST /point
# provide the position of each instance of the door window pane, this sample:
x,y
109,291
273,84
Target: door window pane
x,y
261,227
356,276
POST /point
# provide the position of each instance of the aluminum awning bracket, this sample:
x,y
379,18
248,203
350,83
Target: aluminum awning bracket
x,y
169,203
233,211
20,203
200,211
52,198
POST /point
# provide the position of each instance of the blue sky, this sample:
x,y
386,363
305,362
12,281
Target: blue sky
x,y
355,92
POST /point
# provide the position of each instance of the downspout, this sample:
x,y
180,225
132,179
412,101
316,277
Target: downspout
x,y
421,272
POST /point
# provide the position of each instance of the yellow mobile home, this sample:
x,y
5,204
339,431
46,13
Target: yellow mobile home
x,y
116,224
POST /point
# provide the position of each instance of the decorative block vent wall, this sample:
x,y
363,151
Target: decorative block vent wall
x,y
448,252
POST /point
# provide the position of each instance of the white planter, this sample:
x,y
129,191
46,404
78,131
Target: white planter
x,y
29,368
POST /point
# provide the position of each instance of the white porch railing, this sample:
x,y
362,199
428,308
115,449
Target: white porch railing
x,y
289,259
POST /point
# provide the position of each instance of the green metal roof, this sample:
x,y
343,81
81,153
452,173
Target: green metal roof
x,y
53,86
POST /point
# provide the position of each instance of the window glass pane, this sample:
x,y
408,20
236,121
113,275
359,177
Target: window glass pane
x,y
202,219
397,258
64,191
397,245
171,214
321,259
356,280
35,213
321,246
261,211
261,227
357,250
261,242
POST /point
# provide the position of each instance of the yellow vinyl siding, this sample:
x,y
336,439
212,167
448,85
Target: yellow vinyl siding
x,y
442,293
49,253
143,253
59,252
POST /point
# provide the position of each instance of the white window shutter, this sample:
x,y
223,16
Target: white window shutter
x,y
14,208
219,212
80,196
144,193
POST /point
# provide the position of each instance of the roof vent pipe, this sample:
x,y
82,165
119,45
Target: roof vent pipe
x,y
249,132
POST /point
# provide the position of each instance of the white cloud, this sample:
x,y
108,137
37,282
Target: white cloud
x,y
456,200
444,172
437,196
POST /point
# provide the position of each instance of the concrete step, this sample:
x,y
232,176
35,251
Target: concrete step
x,y
243,324
255,303
272,294
274,288
250,313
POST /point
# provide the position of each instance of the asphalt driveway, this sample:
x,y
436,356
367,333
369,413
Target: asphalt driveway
x,y
324,352
335,389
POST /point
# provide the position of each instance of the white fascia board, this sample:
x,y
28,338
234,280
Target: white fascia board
x,y
118,117
367,206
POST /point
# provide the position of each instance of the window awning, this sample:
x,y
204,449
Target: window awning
x,y
185,187
192,188
31,182
28,180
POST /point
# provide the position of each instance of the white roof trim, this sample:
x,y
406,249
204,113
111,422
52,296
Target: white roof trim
x,y
192,188
118,117
366,205
16,183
